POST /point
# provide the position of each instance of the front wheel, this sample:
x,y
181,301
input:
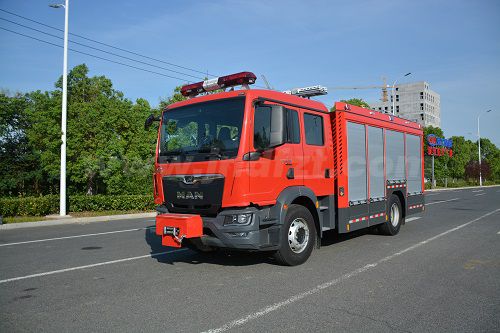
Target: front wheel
x,y
395,217
298,236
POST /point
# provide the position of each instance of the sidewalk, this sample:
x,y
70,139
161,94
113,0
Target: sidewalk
x,y
460,188
75,220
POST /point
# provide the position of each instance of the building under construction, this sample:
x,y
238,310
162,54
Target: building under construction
x,y
413,101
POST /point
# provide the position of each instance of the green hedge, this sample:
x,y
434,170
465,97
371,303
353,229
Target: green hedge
x,y
49,204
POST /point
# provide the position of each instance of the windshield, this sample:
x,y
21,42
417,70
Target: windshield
x,y
201,132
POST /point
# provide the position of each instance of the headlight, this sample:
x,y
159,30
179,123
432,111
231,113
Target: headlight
x,y
238,219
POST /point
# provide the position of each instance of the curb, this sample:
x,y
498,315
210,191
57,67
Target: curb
x,y
460,188
75,220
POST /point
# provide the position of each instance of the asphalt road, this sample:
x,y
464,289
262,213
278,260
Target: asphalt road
x,y
440,274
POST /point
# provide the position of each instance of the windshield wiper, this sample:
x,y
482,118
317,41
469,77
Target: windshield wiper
x,y
211,153
173,153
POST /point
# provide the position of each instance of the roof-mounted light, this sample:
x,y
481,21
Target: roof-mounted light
x,y
307,92
243,78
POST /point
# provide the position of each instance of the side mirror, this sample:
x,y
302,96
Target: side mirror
x,y
278,121
149,121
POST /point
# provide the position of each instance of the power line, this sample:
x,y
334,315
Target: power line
x,y
94,56
111,46
108,45
101,50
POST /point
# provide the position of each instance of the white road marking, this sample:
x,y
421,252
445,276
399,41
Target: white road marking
x,y
153,255
413,218
477,191
276,306
441,201
476,195
75,236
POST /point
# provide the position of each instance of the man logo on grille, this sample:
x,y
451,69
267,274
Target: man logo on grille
x,y
189,195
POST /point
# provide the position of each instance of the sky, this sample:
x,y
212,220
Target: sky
x,y
453,45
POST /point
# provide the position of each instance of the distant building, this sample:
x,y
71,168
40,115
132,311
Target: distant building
x,y
415,102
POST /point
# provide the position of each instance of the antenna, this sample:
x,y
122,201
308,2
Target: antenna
x,y
266,82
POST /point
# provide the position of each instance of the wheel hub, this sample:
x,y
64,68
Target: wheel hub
x,y
298,235
394,214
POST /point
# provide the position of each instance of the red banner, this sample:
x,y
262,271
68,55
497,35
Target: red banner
x,y
435,151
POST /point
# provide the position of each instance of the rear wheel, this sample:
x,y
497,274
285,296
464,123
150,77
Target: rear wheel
x,y
395,217
298,236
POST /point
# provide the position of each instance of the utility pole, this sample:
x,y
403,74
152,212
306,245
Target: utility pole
x,y
62,184
479,148
433,180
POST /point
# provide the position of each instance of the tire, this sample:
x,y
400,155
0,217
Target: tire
x,y
298,237
395,217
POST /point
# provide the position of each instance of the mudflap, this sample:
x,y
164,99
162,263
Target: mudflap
x,y
173,228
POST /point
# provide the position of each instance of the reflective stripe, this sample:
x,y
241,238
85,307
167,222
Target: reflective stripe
x,y
396,186
377,215
416,206
359,219
364,218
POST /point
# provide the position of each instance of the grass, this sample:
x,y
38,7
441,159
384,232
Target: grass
x,y
20,219
106,212
460,183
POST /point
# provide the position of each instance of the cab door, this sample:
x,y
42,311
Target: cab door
x,y
318,159
274,169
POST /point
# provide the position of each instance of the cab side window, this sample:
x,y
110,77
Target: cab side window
x,y
293,128
313,126
262,127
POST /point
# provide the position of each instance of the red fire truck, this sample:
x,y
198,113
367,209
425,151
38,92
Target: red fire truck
x,y
262,170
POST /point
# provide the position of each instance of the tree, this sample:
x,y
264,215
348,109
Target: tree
x,y
176,97
472,170
357,102
108,150
463,153
441,170
491,155
19,168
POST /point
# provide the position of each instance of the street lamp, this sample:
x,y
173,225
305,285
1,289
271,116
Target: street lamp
x,y
394,94
62,194
479,146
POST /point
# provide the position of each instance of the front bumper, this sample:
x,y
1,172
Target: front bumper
x,y
261,234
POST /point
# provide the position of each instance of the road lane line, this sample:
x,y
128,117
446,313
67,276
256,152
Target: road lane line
x,y
413,218
476,195
276,306
428,195
441,201
153,255
477,191
75,236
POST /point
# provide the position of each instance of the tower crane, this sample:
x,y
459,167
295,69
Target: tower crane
x,y
384,88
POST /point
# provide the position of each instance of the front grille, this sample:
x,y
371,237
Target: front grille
x,y
193,194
